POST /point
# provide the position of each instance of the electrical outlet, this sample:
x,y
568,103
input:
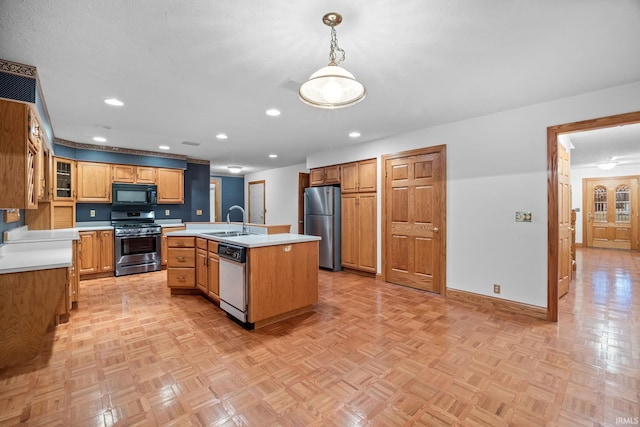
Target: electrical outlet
x,y
167,212
496,288
92,213
198,211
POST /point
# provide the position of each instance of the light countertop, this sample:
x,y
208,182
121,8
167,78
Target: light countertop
x,y
26,250
250,241
35,255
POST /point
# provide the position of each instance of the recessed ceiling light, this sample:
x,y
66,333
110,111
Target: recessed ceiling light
x,y
273,112
222,136
164,147
273,156
234,169
113,101
354,134
99,139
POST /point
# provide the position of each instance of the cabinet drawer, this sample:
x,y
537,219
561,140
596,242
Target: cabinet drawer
x,y
181,257
201,243
181,242
181,278
213,246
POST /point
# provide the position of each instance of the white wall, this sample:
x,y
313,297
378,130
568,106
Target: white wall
x,y
281,194
496,165
577,174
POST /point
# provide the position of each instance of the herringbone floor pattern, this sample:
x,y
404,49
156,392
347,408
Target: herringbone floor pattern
x,y
371,354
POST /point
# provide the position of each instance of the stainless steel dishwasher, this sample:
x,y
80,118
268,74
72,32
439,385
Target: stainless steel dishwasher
x,y
233,280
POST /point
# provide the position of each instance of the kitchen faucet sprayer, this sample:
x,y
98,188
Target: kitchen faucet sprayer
x,y
244,221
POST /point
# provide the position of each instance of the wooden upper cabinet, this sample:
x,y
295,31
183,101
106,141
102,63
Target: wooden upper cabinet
x,y
359,177
94,182
18,163
134,174
325,176
64,179
146,175
170,186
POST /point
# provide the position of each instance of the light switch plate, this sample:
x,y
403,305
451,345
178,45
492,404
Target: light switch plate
x,y
198,211
92,213
523,216
167,212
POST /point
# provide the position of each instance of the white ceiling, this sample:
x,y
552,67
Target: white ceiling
x,y
189,69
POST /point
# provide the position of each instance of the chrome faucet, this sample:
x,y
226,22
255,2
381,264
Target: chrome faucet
x,y
244,221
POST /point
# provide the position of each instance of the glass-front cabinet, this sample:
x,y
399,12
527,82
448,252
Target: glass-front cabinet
x,y
64,179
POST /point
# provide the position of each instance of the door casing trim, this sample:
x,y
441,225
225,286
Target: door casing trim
x,y
552,194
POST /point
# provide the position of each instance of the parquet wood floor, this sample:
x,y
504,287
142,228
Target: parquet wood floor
x,y
371,354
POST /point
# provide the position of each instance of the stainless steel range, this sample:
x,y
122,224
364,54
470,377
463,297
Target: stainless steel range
x,y
138,243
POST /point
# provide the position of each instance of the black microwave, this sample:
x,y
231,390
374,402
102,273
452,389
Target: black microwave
x,y
144,195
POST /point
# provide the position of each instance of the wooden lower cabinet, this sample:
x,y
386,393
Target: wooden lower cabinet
x,y
181,262
30,301
95,252
202,274
73,278
359,241
283,281
165,248
213,268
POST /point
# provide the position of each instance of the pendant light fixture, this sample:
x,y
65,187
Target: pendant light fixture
x,y
332,86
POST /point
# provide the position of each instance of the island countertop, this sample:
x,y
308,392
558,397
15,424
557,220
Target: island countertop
x,y
248,241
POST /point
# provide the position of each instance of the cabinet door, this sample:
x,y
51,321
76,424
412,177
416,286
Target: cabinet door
x,y
332,174
171,186
349,178
94,182
146,175
201,271
214,276
88,252
367,175
64,179
124,173
106,250
367,239
316,176
349,230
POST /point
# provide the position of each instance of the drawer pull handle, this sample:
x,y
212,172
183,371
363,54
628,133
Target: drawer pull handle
x,y
181,277
180,259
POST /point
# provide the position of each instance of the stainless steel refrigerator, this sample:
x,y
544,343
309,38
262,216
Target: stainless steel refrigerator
x,y
322,218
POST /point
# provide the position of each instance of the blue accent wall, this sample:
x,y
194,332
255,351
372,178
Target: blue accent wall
x,y
4,226
232,194
196,187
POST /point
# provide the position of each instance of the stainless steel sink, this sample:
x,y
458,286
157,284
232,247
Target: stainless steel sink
x,y
228,233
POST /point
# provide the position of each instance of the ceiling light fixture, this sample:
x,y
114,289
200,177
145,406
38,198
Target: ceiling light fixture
x,y
164,147
273,156
234,169
272,112
332,86
99,139
354,134
607,164
113,101
222,136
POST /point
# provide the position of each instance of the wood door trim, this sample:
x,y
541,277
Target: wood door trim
x,y
552,195
442,259
218,206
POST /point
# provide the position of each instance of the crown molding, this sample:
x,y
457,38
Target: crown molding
x,y
18,69
109,149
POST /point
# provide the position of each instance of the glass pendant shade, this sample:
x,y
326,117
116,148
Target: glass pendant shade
x,y
332,87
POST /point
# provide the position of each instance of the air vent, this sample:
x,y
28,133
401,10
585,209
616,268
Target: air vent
x,y
193,144
290,85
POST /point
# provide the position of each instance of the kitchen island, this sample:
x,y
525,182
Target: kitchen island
x,y
36,268
279,278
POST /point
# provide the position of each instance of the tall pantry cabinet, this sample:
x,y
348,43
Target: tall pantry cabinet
x,y
359,207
